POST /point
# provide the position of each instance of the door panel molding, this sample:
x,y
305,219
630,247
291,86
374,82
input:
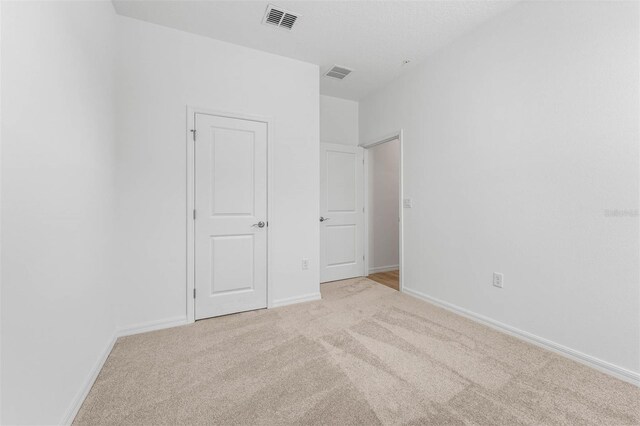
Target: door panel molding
x,y
191,112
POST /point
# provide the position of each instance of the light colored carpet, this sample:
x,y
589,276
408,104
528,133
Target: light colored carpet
x,y
364,354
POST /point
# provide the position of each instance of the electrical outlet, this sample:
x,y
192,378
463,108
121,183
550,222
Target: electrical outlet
x,y
305,263
407,203
498,279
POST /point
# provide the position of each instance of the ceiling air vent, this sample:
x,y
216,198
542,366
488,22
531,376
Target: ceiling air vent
x,y
338,72
280,18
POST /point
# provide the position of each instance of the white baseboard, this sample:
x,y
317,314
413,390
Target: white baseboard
x,y
604,366
77,401
298,299
387,268
152,326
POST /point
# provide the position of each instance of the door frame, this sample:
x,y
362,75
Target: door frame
x,y
190,259
367,146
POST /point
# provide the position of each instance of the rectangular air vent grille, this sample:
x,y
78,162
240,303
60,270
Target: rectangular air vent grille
x,y
280,18
338,72
288,20
274,17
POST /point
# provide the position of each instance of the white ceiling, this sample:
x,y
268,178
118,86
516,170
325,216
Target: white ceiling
x,y
371,37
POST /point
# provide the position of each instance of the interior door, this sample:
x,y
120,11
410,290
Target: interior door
x,y
231,215
341,212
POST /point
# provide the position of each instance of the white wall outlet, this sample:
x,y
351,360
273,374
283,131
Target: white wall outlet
x,y
498,279
407,203
305,263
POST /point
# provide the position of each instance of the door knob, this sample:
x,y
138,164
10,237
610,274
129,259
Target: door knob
x,y
322,219
258,225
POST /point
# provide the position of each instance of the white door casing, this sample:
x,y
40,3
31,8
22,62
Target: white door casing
x,y
230,200
342,208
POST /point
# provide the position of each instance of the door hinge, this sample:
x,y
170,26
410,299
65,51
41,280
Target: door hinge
x,y
194,214
193,132
194,293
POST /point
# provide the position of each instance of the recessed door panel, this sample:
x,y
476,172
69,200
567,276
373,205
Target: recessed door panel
x,y
341,181
232,182
232,263
342,240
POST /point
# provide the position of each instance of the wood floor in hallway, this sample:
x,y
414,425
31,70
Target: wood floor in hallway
x,y
389,278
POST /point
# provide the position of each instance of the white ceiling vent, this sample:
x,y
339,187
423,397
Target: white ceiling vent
x,y
338,72
279,17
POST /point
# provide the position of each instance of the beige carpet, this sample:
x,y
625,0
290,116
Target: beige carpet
x,y
364,354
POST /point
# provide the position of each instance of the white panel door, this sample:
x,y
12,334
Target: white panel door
x,y
341,212
231,215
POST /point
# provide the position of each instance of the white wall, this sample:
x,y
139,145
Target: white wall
x,y
161,71
338,120
1,80
518,138
383,200
58,203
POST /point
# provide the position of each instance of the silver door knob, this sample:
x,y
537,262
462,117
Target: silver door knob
x,y
258,225
322,219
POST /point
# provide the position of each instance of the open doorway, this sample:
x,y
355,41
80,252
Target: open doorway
x,y
383,211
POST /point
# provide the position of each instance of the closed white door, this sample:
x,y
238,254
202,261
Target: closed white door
x,y
341,212
231,215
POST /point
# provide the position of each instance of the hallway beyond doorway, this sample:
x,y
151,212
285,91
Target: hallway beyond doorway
x,y
389,278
